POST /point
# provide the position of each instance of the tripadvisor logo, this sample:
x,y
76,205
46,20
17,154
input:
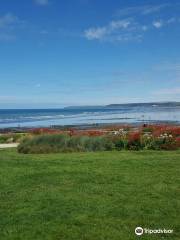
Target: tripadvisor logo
x,y
139,231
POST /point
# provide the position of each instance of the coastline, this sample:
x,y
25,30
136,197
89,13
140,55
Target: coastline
x,y
89,117
97,126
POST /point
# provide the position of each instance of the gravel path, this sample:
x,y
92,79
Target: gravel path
x,y
9,145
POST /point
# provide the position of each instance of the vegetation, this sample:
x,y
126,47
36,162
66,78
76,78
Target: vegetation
x,y
54,143
64,143
92,196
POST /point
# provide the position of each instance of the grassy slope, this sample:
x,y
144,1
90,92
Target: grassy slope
x,y
89,196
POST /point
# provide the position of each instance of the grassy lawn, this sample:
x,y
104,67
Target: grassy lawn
x,y
89,196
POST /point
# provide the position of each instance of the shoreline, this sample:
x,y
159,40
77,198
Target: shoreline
x,y
23,129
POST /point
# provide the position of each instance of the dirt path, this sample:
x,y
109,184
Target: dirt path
x,y
8,145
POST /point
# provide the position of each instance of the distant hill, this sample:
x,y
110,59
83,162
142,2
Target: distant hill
x,y
117,105
151,104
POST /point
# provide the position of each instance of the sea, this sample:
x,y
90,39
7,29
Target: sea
x,y
135,114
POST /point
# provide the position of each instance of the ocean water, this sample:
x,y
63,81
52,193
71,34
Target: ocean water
x,y
83,116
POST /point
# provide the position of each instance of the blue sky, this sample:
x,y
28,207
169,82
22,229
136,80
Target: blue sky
x,y
87,52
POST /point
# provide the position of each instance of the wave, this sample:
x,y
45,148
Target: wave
x,y
70,117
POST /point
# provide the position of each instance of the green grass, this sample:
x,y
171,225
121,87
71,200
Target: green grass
x,y
88,196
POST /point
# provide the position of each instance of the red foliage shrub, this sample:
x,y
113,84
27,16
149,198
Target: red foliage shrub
x,y
157,130
90,133
134,141
38,131
175,131
134,136
95,133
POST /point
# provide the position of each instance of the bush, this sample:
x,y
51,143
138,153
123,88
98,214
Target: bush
x,y
135,145
43,144
108,144
135,142
162,144
119,144
64,143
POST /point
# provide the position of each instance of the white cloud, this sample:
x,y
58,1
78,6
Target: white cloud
x,y
42,2
128,29
119,24
119,30
125,29
95,33
162,23
158,24
153,8
141,10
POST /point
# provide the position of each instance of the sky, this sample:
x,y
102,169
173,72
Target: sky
x,y
88,52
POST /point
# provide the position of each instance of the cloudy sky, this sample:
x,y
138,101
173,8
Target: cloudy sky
x,y
85,52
